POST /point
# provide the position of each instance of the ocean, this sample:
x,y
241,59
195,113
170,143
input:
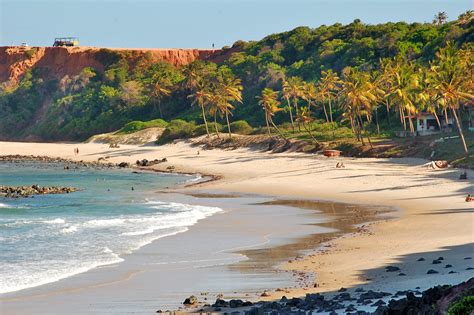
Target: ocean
x,y
51,237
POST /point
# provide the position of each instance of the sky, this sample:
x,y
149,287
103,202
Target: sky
x,y
195,23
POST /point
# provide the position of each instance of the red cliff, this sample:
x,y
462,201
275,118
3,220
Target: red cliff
x,y
60,61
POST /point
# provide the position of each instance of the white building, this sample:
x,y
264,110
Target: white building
x,y
426,124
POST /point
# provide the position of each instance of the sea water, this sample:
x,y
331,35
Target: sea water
x,y
50,237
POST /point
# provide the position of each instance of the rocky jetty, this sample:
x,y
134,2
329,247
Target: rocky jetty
x,y
68,164
26,191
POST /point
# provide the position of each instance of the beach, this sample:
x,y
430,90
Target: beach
x,y
430,217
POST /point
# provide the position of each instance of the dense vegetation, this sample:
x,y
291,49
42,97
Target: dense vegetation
x,y
354,79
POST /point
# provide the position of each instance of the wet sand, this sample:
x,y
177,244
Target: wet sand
x,y
235,253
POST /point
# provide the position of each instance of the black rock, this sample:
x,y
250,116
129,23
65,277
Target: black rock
x,y
235,303
448,266
342,290
436,261
190,300
469,268
379,303
371,295
220,303
431,271
421,259
402,274
391,269
358,290
452,271
247,303
343,297
466,258
350,308
441,258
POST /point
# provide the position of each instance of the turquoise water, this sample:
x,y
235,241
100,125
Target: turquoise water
x,y
51,237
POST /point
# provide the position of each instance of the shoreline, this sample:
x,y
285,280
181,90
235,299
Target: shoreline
x,y
398,185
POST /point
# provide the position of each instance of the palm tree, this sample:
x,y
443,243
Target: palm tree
x,y
328,87
227,91
286,93
404,84
293,88
270,104
202,98
425,96
448,76
159,92
440,18
304,116
309,94
359,95
385,80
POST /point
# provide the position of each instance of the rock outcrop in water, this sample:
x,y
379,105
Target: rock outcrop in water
x,y
26,191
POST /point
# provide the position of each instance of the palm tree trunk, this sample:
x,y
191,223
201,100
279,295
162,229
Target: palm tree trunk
x,y
310,133
228,123
446,119
437,120
215,125
278,130
205,121
377,120
324,109
387,105
291,114
410,121
268,125
402,118
361,129
353,128
330,109
159,109
461,134
295,103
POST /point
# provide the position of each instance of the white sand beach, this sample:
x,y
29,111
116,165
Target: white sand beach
x,y
433,214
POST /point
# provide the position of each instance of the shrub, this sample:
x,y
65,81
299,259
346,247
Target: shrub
x,y
201,129
464,306
240,126
177,129
31,52
137,125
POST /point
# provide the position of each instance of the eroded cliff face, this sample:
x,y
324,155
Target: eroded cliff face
x,y
56,62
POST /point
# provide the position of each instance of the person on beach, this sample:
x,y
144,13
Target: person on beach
x,y
469,198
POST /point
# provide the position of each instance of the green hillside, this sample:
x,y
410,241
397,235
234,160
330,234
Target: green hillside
x,y
304,73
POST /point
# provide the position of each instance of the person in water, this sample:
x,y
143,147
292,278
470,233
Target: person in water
x,y
469,198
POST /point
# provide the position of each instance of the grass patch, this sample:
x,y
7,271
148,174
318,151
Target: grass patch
x,y
138,125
